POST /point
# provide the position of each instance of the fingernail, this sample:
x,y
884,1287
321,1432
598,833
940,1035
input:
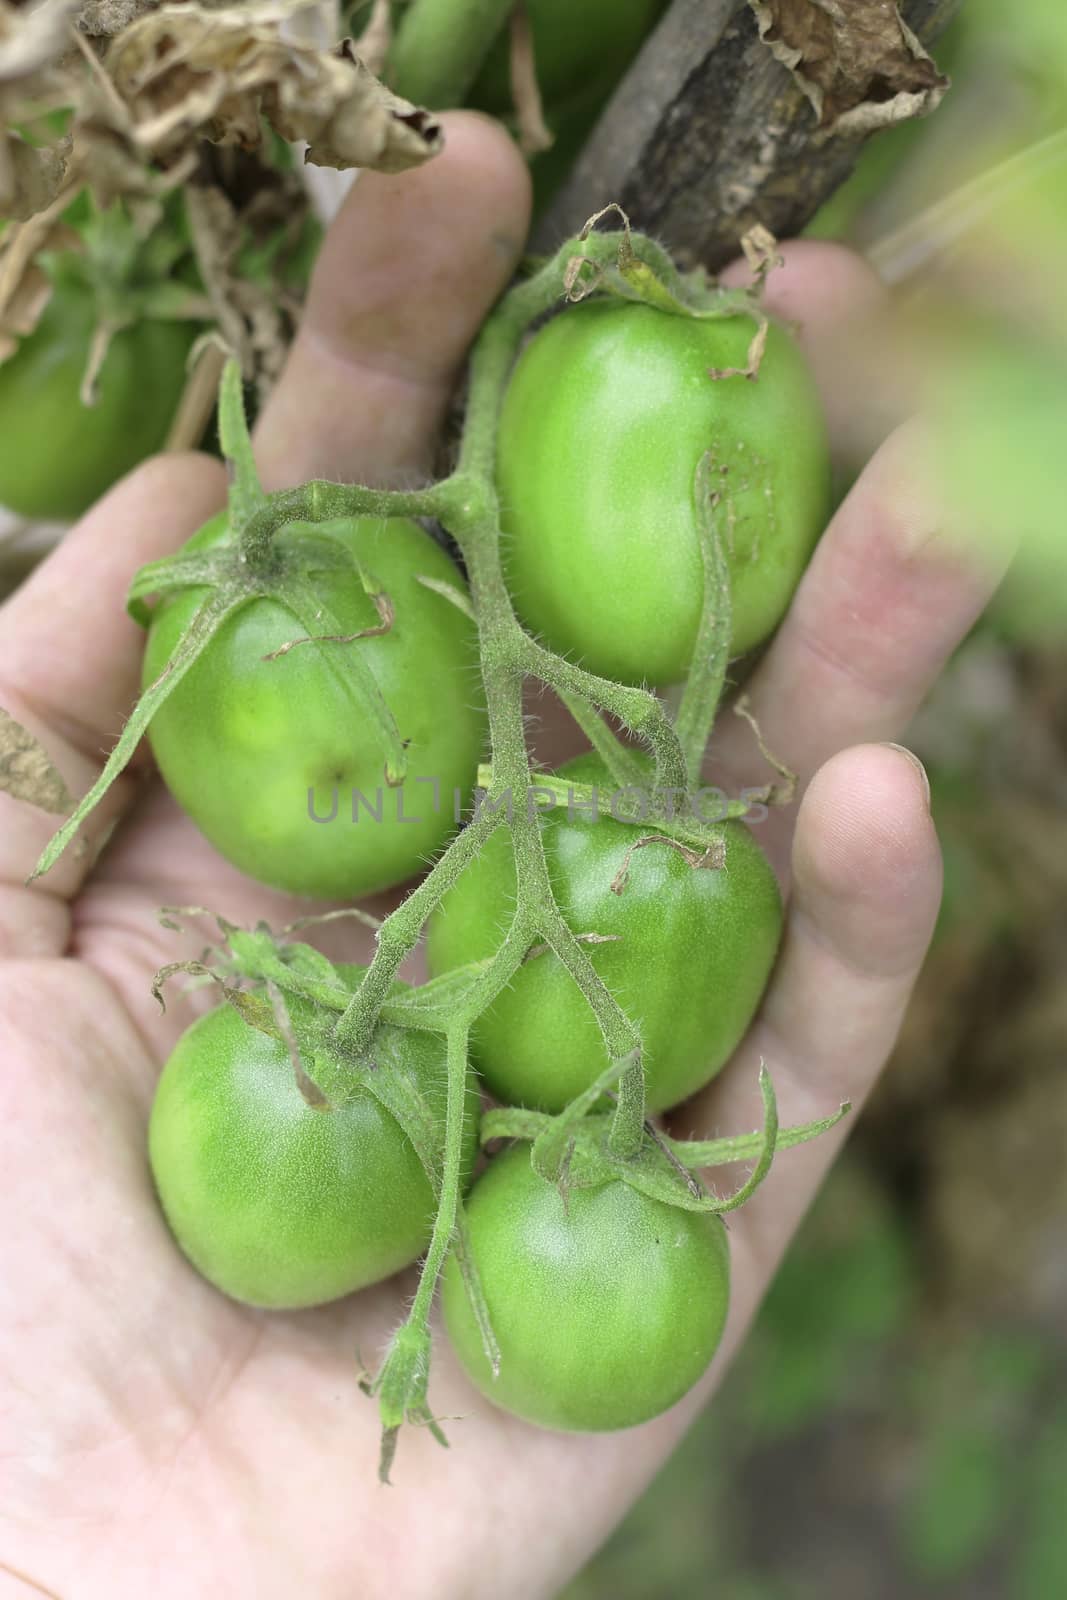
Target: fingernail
x,y
888,744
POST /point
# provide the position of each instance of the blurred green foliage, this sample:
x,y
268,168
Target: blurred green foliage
x,y
964,1466
881,1433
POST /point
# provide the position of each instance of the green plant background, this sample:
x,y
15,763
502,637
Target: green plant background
x,y
897,1425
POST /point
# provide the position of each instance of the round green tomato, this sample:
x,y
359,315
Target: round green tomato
x,y
573,44
606,1310
58,456
255,749
279,1203
607,415
689,953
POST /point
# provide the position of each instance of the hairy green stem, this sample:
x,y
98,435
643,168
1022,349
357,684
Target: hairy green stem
x,y
449,1200
401,930
439,47
622,763
505,653
321,501
639,710
498,343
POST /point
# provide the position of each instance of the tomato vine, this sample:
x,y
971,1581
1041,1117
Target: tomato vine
x,y
274,540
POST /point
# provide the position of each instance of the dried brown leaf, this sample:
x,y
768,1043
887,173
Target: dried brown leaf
x,y
184,73
33,37
857,61
35,77
25,288
534,134
103,19
27,773
349,119
30,177
760,249
250,321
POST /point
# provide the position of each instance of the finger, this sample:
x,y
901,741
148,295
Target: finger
x,y
866,889
841,314
893,586
392,314
70,661
409,269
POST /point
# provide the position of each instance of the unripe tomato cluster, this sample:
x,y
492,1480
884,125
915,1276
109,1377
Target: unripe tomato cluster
x,y
606,1303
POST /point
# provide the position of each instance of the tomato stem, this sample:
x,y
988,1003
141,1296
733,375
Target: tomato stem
x,y
440,46
401,930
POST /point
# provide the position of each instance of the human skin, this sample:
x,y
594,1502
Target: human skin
x,y
157,1438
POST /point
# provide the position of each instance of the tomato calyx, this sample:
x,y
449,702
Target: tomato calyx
x,y
401,1387
126,268
578,1155
263,547
280,571
296,996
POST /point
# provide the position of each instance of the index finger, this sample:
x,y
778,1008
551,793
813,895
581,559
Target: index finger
x,y
409,268
894,583
395,300
839,310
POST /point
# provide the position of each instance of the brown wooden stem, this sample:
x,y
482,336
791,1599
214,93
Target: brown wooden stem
x,y
709,134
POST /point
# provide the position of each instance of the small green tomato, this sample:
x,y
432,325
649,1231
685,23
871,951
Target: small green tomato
x,y
606,1310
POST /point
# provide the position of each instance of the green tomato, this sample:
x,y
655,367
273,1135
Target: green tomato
x,y
58,456
279,1203
606,1310
572,46
689,955
254,748
608,413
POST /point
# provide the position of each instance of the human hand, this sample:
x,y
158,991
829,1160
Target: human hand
x,y
159,1437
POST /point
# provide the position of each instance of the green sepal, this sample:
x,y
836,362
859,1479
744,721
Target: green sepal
x,y
207,621
189,569
401,1388
696,1153
662,1167
246,495
297,968
472,1283
255,1011
395,1091
451,592
357,682
432,1006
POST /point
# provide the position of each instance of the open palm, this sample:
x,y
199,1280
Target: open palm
x,y
157,1438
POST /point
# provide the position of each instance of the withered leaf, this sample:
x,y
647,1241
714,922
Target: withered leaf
x,y
249,317
25,288
26,773
857,61
102,19
32,37
184,72
30,176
